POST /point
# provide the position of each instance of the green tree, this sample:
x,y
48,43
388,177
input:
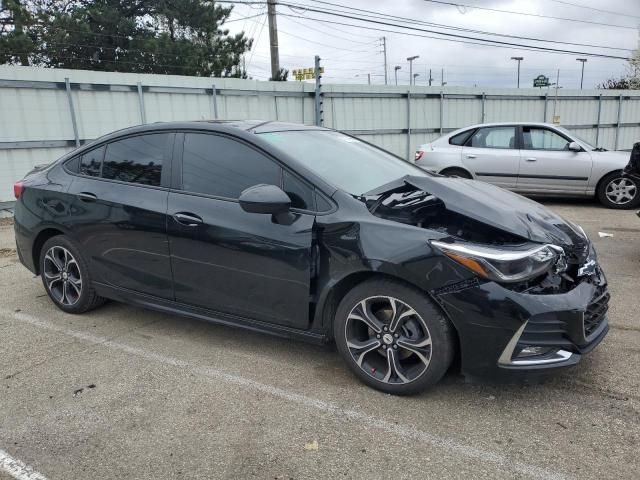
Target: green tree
x,y
16,44
181,37
631,80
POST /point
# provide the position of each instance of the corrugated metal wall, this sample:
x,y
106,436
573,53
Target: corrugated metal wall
x,y
36,120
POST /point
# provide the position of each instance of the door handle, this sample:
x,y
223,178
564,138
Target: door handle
x,y
187,219
86,197
531,159
470,155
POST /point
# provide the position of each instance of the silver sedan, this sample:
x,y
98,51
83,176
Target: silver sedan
x,y
537,159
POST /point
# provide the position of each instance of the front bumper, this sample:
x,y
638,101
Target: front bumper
x,y
494,324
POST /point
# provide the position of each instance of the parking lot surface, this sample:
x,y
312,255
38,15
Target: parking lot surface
x,y
123,392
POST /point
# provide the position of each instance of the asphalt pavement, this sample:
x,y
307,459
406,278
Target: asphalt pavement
x,y
123,392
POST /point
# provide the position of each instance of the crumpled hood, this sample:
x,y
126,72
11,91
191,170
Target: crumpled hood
x,y
499,208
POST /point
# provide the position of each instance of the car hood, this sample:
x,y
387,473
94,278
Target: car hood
x,y
496,207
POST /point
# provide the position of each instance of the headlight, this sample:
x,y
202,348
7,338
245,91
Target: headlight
x,y
501,265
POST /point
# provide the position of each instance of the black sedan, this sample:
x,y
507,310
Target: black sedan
x,y
310,233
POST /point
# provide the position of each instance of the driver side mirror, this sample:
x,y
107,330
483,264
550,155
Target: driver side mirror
x,y
267,199
574,147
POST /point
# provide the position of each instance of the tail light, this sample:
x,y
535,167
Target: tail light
x,y
18,187
419,154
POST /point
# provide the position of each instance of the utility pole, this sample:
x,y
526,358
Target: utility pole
x,y
583,61
410,60
442,77
395,71
430,77
384,50
273,39
518,59
555,100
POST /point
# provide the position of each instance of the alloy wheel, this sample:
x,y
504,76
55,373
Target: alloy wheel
x,y
62,276
388,340
621,191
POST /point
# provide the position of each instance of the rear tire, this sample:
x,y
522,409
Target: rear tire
x,y
456,172
65,276
618,192
393,337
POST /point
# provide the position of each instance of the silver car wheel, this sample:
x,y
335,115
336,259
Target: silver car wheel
x,y
62,276
388,340
621,191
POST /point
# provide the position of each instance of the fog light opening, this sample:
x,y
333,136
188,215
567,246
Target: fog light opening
x,y
528,351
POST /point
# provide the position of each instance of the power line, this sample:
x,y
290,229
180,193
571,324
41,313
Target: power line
x,y
611,12
333,35
511,12
383,16
458,38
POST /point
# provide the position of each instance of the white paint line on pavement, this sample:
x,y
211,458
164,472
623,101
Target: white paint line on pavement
x,y
18,469
337,411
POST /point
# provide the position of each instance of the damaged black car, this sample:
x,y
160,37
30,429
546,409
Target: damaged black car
x,y
309,233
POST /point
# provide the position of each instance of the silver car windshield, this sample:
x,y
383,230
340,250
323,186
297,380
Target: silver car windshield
x,y
342,161
580,139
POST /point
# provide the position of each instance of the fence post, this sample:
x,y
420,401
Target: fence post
x,y
214,101
275,102
546,99
408,125
484,99
618,122
143,117
303,95
441,110
598,125
318,93
72,111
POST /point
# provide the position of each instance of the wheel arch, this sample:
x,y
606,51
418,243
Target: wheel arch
x,y
605,175
462,169
325,311
39,241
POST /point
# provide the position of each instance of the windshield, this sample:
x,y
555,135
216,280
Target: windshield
x,y
578,138
342,161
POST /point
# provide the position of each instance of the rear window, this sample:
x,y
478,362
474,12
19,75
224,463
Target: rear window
x,y
91,162
136,159
461,138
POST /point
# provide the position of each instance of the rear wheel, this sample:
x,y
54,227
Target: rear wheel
x,y
619,192
456,172
65,276
392,337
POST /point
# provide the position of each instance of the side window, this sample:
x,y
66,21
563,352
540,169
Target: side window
x,y
300,194
136,159
543,139
221,166
461,138
493,137
91,162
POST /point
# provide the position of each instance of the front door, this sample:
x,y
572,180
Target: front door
x,y
492,154
548,166
119,213
224,258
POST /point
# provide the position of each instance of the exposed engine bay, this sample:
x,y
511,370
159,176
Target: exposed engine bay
x,y
412,206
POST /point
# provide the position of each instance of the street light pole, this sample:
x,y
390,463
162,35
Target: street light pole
x,y
410,60
395,72
415,75
518,59
583,61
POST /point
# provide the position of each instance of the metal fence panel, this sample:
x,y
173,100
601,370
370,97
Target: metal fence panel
x,y
36,117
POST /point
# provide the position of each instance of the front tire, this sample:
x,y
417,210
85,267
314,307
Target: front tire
x,y
393,337
618,192
65,276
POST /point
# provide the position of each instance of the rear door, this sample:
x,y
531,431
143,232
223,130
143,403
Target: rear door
x,y
548,166
226,259
493,155
119,212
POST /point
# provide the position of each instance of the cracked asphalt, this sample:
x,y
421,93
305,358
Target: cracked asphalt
x,y
123,392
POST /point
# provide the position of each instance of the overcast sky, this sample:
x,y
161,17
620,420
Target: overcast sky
x,y
348,51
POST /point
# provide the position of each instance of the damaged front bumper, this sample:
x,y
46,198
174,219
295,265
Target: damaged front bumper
x,y
505,333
